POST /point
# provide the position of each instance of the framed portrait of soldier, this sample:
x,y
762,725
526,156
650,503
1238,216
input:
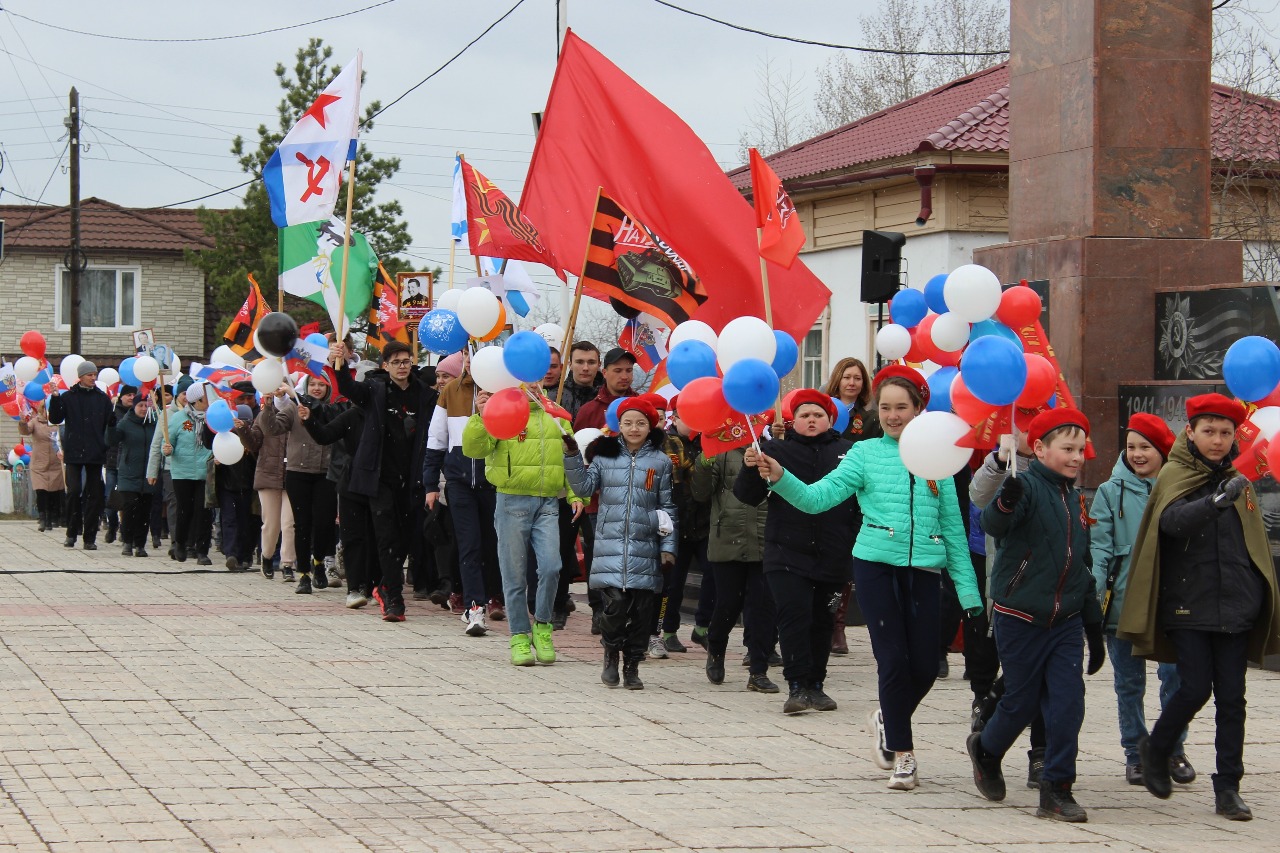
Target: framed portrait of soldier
x,y
415,294
144,340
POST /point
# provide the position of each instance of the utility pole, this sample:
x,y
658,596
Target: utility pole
x,y
75,260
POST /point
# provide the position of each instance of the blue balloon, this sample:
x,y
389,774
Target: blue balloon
x,y
933,294
440,331
994,370
127,376
690,360
527,356
25,459
786,355
842,416
750,386
1251,368
995,327
318,339
611,415
219,417
33,391
940,389
909,307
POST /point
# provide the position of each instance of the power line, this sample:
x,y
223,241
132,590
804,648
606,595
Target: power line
x,y
884,50
153,157
201,39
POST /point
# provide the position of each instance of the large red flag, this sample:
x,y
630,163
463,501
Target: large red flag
x,y
781,237
601,129
495,226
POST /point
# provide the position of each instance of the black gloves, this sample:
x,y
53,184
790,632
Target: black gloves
x,y
977,618
1010,493
1097,649
1229,490
570,445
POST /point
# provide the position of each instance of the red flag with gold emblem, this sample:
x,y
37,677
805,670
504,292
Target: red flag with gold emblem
x,y
781,237
495,226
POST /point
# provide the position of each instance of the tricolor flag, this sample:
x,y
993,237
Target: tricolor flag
x,y
307,358
239,333
303,174
781,237
645,337
495,227
311,267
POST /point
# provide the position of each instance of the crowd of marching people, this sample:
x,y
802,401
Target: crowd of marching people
x,y
373,476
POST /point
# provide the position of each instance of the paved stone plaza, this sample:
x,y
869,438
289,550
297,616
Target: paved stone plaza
x,y
148,707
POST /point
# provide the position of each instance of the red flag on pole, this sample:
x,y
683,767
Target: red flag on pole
x,y
781,237
495,226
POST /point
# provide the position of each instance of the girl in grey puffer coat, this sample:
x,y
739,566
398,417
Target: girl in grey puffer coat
x,y
633,542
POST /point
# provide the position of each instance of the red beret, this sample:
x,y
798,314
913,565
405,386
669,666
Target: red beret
x,y
658,401
813,397
641,405
1216,405
901,371
1051,419
1153,429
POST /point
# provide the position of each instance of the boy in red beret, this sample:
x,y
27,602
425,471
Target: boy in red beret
x,y
1117,510
1202,591
1044,607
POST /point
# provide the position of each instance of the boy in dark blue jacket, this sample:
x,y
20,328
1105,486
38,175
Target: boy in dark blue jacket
x,y
1043,594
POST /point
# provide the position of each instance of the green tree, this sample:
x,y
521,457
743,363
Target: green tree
x,y
247,238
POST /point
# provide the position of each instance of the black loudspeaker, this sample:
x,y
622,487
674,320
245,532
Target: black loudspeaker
x,y
881,264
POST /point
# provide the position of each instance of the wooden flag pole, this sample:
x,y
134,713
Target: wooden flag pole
x,y
453,250
164,413
577,300
764,280
339,321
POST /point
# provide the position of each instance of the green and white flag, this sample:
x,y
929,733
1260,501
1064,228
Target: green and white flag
x,y
311,267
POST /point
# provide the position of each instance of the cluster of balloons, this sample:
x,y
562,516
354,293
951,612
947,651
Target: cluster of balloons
x,y
501,371
1251,369
460,315
19,455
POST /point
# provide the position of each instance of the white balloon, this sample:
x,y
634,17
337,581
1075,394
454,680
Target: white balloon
x,y
928,445
693,330
108,376
478,311
584,437
101,386
973,292
490,372
175,369
552,333
67,368
950,332
893,341
449,299
227,448
146,368
223,355
267,376
745,337
27,367
14,458
1267,420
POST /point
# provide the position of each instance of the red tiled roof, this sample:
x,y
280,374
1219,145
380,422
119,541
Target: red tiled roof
x,y
104,226
972,114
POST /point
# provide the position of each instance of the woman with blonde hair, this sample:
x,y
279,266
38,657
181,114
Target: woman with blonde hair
x,y
46,464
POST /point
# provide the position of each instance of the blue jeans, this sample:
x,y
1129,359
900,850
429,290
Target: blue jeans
x,y
477,542
1043,671
522,519
1131,689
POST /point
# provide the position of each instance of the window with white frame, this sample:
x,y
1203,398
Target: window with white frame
x,y
812,352
108,298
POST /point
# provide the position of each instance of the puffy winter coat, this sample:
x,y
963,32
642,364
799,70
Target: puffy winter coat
x,y
906,521
531,464
131,438
632,487
268,470
46,469
1117,511
84,414
813,546
444,453
119,413
592,413
737,529
190,458
302,453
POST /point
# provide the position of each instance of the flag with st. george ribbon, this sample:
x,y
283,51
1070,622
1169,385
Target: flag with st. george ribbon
x,y
311,268
385,324
781,237
303,175
239,333
636,270
494,225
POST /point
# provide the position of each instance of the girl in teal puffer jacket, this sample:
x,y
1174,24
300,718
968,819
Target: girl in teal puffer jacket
x,y
911,531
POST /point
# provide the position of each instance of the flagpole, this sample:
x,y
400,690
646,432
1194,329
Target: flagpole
x,y
577,298
339,322
764,280
453,250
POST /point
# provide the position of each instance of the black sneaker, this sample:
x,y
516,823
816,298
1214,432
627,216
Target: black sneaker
x,y
111,534
155,542
203,560
1155,770
797,700
304,584
318,579
1035,767
715,669
139,551
126,551
440,595
673,644
986,769
820,700
944,668
559,618
286,574
775,659
90,546
760,683
1133,774
268,569
1229,805
1181,770
698,636
1057,803
232,564
422,595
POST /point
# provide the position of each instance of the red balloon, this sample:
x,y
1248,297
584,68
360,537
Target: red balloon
x,y
787,412
1273,455
507,413
19,449
33,344
970,409
702,405
922,345
1272,399
1019,306
1042,381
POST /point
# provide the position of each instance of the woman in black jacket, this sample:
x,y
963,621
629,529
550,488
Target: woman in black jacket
x,y
807,558
131,437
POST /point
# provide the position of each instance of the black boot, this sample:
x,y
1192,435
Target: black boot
x,y
798,700
43,524
70,541
715,669
609,675
1229,804
1057,803
127,550
819,699
1035,767
1155,769
631,675
318,575
113,526
760,683
304,584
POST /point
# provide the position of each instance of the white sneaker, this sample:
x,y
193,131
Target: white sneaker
x,y
657,648
334,580
904,773
474,618
880,753
356,600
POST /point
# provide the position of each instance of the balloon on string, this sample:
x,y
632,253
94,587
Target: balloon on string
x,y
928,445
499,325
227,447
67,368
973,292
908,307
448,299
145,368
994,370
127,376
34,392
14,459
584,437
893,341
750,386
478,309
33,344
692,330
219,416
225,355
108,376
26,368
1251,368
489,370
969,408
950,332
552,333
935,294
276,334
267,376
995,327
1019,306
940,389
441,332
317,339
786,355
25,459
843,416
611,415
527,356
743,338
1042,381
702,404
690,360
507,413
